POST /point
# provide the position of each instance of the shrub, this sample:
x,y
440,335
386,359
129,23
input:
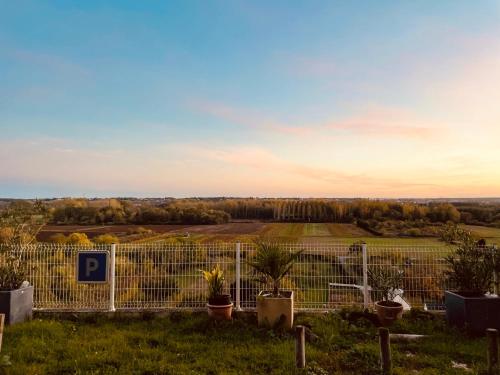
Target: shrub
x,y
471,267
106,239
59,238
414,232
78,239
12,272
452,233
386,281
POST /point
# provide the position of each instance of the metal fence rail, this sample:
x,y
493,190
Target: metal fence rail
x,y
167,276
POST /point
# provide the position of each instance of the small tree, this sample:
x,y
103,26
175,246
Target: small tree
x,y
273,262
453,234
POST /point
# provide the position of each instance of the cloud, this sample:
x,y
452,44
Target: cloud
x,y
247,118
192,169
52,62
376,121
370,121
260,159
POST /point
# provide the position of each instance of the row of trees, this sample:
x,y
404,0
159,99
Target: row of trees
x,y
221,210
124,212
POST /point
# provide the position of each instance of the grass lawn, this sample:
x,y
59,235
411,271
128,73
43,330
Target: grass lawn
x,y
189,343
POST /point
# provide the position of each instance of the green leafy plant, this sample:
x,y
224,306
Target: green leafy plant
x,y
215,280
273,262
386,281
471,267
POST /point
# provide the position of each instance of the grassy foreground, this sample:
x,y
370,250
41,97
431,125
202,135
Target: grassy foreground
x,y
188,343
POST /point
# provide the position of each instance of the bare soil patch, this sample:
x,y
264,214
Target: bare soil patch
x,y
96,230
122,230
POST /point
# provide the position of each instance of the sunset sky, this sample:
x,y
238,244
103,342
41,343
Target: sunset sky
x,y
250,98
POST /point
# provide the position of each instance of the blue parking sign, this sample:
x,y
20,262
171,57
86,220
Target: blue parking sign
x,y
92,267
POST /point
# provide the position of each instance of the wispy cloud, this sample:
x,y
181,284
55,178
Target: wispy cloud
x,y
190,169
370,121
376,121
55,63
249,118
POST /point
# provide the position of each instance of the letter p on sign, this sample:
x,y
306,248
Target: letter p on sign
x,y
92,267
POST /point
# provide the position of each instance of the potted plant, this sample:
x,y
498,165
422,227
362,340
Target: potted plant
x,y
471,274
387,282
219,305
273,262
16,295
22,222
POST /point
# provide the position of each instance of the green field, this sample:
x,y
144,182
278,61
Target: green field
x,y
301,233
484,232
189,343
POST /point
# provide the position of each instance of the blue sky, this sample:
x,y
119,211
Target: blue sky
x,y
249,98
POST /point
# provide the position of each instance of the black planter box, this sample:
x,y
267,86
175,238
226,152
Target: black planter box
x,y
17,305
475,314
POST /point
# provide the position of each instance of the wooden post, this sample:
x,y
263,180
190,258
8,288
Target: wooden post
x,y
385,351
300,346
2,320
492,337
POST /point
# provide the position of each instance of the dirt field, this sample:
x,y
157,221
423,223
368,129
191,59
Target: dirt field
x,y
239,228
94,230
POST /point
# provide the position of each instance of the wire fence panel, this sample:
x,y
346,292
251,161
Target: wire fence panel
x,y
51,269
159,276
167,276
423,272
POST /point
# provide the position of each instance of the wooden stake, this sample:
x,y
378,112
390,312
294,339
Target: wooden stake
x,y
492,337
300,346
385,351
2,320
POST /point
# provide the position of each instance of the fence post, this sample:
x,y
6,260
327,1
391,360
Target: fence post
x,y
385,351
112,278
238,276
495,275
300,346
366,296
2,321
492,336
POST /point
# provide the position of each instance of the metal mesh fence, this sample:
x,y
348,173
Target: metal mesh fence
x,y
167,276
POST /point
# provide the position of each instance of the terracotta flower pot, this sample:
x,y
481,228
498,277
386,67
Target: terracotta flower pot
x,y
220,312
388,311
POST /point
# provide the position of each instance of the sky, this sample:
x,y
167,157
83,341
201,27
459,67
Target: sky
x,y
250,98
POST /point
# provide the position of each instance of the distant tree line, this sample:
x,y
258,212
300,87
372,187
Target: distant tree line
x,y
364,212
114,211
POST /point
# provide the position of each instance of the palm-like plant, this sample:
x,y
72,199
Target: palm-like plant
x,y
215,280
273,262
